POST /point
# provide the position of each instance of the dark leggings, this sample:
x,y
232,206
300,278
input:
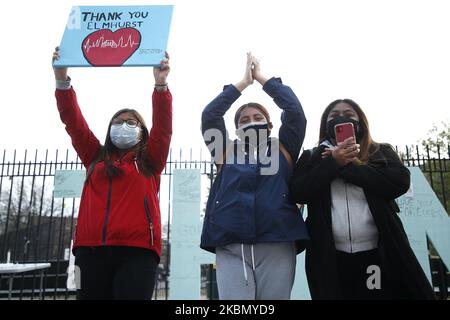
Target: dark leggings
x,y
119,273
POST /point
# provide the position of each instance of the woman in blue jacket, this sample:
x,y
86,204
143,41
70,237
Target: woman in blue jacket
x,y
251,223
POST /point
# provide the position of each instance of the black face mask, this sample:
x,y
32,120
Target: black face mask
x,y
338,120
258,128
247,135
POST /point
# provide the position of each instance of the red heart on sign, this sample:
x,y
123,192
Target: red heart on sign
x,y
104,48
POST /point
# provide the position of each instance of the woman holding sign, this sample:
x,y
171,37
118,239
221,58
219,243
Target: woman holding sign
x,y
358,247
117,243
250,223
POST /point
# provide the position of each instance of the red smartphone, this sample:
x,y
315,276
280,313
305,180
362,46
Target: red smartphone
x,y
344,131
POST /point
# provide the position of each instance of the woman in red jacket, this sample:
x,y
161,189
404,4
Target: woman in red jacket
x,y
117,244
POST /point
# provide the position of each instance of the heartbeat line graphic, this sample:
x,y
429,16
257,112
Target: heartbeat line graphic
x,y
105,43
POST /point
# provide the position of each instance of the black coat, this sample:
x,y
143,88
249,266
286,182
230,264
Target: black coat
x,y
383,179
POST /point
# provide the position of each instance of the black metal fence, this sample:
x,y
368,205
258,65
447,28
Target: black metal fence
x,y
435,164
36,227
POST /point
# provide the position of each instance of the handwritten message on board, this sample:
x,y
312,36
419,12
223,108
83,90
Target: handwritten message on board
x,y
68,183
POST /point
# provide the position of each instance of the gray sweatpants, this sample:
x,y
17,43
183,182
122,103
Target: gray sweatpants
x,y
267,273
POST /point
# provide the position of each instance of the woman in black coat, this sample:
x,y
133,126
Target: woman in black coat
x,y
358,247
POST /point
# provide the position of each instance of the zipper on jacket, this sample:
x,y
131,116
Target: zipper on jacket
x,y
108,207
348,217
149,217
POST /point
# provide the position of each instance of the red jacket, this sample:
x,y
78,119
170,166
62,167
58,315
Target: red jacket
x,y
119,211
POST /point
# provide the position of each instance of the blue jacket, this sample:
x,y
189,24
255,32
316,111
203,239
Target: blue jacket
x,y
245,206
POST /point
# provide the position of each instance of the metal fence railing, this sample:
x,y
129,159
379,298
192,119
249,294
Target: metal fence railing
x,y
435,164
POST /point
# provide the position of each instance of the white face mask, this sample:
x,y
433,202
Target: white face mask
x,y
124,137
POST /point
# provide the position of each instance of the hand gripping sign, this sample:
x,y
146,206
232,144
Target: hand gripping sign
x,y
112,36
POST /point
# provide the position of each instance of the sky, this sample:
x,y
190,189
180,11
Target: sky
x,y
391,57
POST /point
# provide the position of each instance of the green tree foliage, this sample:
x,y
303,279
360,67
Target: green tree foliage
x,y
438,137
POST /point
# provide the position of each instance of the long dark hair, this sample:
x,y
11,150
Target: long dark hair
x,y
109,149
368,146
